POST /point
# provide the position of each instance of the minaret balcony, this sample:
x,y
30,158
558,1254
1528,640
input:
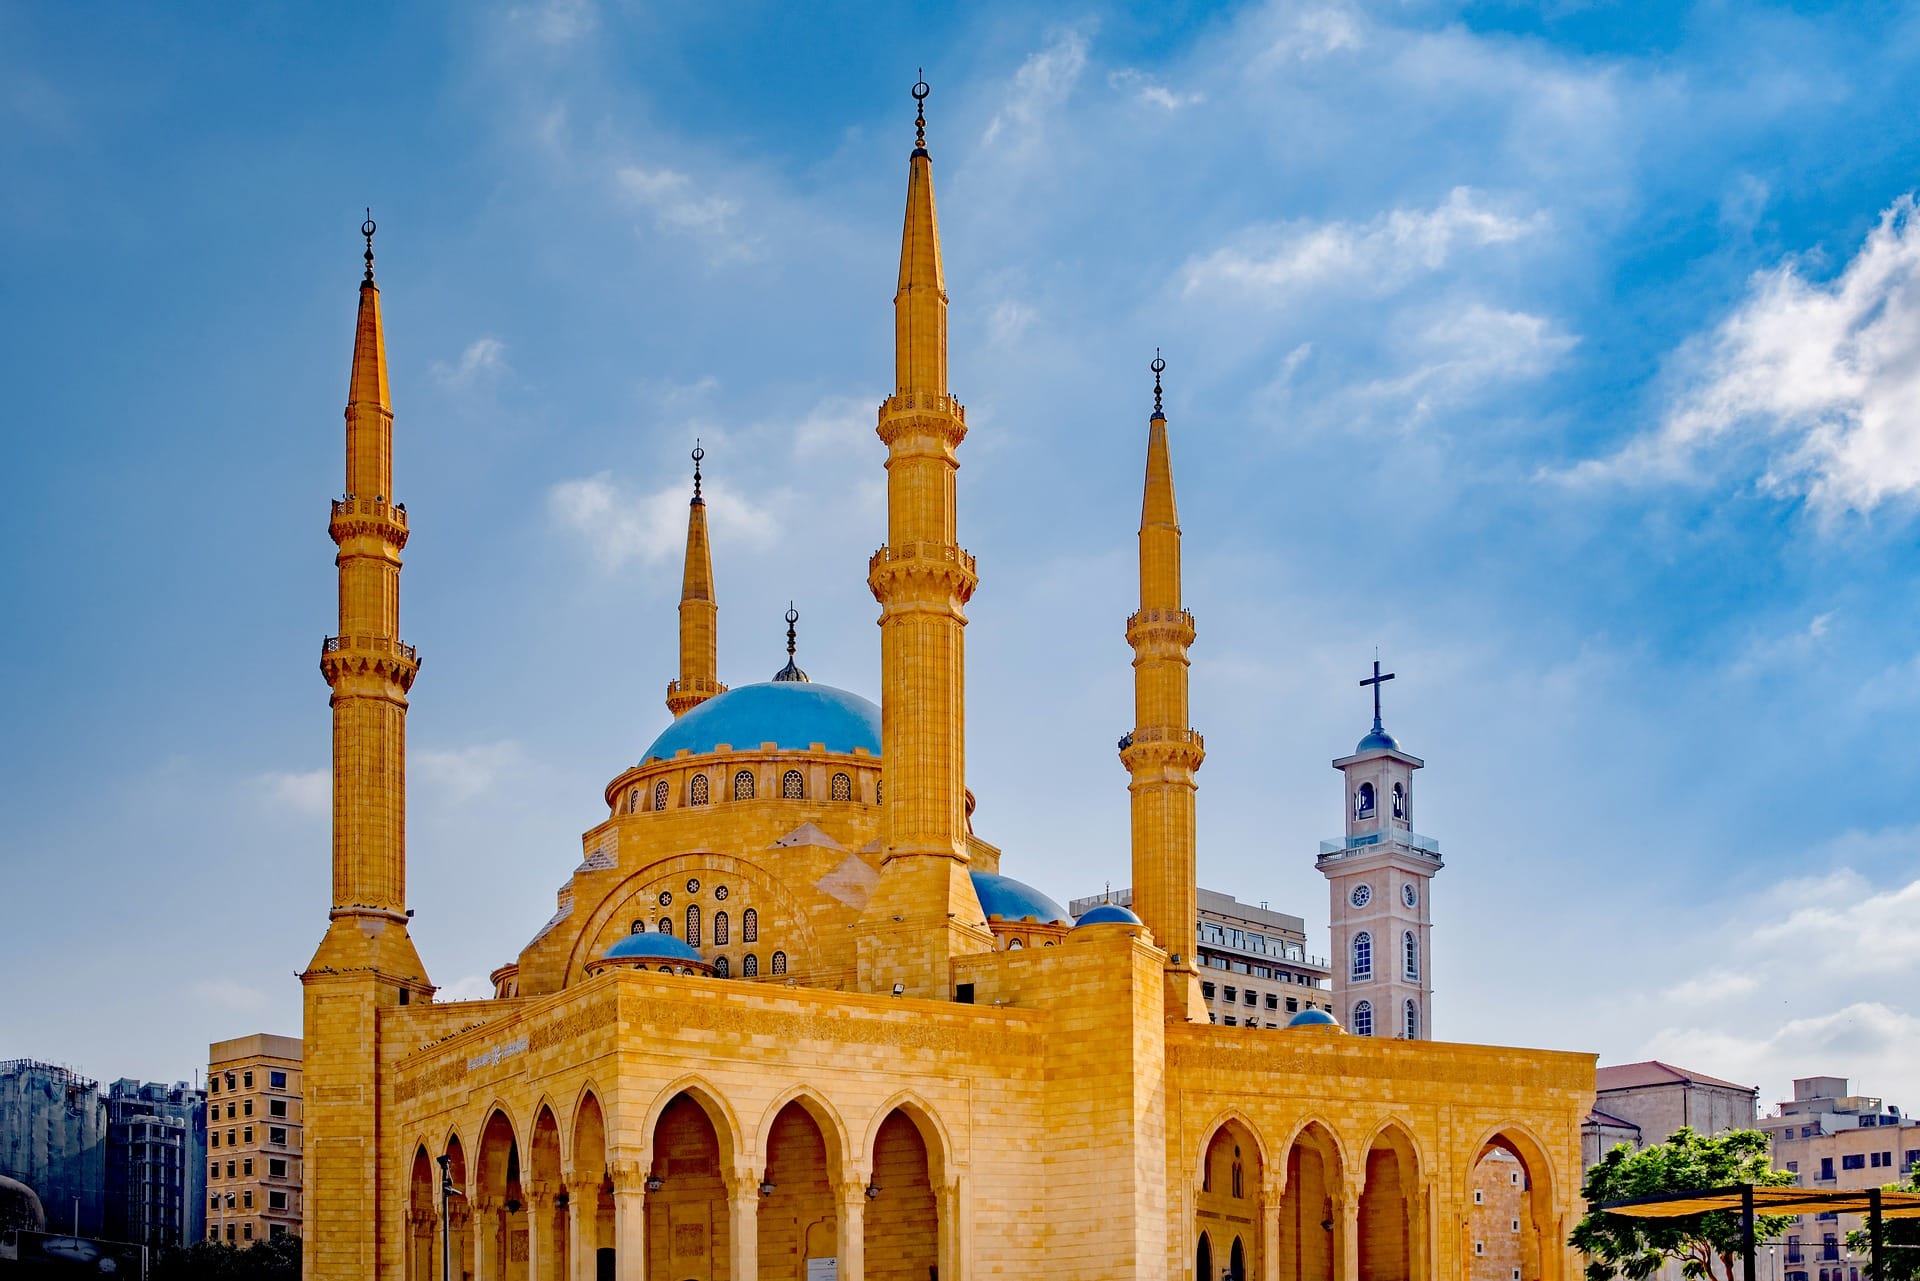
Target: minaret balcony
x,y
928,402
1399,841
1155,747
1175,625
951,568
376,655
356,516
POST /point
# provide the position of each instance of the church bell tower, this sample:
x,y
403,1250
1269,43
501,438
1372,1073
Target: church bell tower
x,y
1378,876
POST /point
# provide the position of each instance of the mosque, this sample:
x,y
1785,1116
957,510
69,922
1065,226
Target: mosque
x,y
791,1019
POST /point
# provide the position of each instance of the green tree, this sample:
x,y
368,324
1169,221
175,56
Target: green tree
x,y
1706,1246
275,1259
1903,1260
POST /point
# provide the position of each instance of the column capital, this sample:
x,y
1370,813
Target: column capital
x,y
628,1177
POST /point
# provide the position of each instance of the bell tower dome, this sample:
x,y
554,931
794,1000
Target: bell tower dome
x,y
1378,875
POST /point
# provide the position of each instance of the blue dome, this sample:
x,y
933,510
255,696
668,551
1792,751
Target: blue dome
x,y
653,947
1377,740
1108,914
1012,900
792,715
1313,1018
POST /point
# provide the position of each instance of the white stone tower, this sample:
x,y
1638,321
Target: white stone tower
x,y
1378,875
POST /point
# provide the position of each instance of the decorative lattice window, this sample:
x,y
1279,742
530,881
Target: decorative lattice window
x,y
660,795
693,924
1363,1019
842,788
1411,947
1363,955
1413,1021
792,786
743,785
697,790
665,925
750,926
779,962
720,967
877,799
719,929
750,968
639,927
633,801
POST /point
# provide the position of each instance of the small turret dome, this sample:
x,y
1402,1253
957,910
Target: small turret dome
x,y
1314,1018
1376,740
1108,914
642,950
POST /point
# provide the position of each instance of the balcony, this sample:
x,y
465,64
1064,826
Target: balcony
x,y
1354,846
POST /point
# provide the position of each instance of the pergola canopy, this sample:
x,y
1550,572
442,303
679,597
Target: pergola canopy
x,y
1673,1205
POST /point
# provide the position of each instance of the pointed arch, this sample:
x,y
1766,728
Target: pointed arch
x,y
1397,1132
1231,1116
933,1131
707,1097
833,1128
1532,1190
1390,1225
1311,1168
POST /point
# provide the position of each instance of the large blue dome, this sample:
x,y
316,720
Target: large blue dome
x,y
653,947
789,714
1012,900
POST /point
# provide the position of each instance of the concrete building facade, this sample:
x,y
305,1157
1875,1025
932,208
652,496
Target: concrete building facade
x,y
1644,1103
1836,1141
256,1133
53,1139
156,1154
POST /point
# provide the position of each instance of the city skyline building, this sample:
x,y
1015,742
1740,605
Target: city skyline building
x,y
1834,1140
156,1154
256,1131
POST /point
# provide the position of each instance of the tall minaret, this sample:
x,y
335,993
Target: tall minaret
x,y
1378,876
699,623
367,961
1163,751
924,910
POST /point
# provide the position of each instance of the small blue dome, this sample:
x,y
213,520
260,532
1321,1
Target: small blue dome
x,y
792,715
1108,914
1377,740
653,947
1313,1018
1012,900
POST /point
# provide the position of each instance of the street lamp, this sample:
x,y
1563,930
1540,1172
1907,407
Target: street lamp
x,y
447,1193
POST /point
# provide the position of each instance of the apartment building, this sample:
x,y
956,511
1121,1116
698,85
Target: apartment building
x,y
1835,1141
156,1144
253,1138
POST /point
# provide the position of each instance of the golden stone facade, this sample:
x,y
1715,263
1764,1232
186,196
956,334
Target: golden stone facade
x,y
807,1046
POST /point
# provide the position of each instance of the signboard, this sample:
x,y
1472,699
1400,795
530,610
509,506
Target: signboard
x,y
823,1269
44,1254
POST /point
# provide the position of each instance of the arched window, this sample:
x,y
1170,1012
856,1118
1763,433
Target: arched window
x,y
750,925
842,788
877,798
750,968
1411,947
1412,1022
666,925
693,924
1239,1176
1363,801
743,785
1014,943
719,929
1363,1019
633,801
779,962
1399,802
639,927
660,795
720,967
1363,955
697,790
792,786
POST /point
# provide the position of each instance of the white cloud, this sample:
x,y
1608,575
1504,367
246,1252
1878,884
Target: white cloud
x,y
1303,33
1869,1042
619,526
1039,87
463,773
229,995
1375,258
835,426
1770,652
1469,350
1819,382
679,207
1141,87
473,987
307,792
484,358
1009,321
556,22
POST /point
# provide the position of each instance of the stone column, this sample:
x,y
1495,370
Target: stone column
x,y
1272,1192
1346,1228
853,1229
583,1207
743,1224
947,1206
488,1255
629,1222
539,1211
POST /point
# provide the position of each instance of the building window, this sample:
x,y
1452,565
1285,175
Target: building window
x,y
633,801
665,925
1412,1021
1233,994
1411,947
1239,1180
246,1198
246,1229
1479,1247
750,967
277,1079
1232,1022
1399,802
1826,1167
842,788
693,924
1853,1161
697,790
1363,1019
1516,1225
1363,801
720,967
277,1168
1293,1005
750,925
276,1200
743,785
1012,945
1252,997
249,1080
248,1134
1363,955
1207,991
276,1107
276,1135
1273,1000
779,962
660,795
230,1234
792,786
1514,1178
719,929
246,1167
213,1202
231,1078
246,1108
213,1138
230,1107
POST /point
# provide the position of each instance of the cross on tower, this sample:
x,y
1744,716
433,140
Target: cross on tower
x,y
1376,680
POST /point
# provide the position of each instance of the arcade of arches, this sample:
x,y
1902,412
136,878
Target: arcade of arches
x,y
698,1208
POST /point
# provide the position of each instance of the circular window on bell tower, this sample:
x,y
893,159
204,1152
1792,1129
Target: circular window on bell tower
x,y
1361,896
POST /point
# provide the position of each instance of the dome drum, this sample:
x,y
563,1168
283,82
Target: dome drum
x,y
646,951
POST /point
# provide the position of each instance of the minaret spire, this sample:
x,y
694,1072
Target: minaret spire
x,y
699,615
924,910
1163,751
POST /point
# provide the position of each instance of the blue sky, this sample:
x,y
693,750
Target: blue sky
x,y
1567,353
